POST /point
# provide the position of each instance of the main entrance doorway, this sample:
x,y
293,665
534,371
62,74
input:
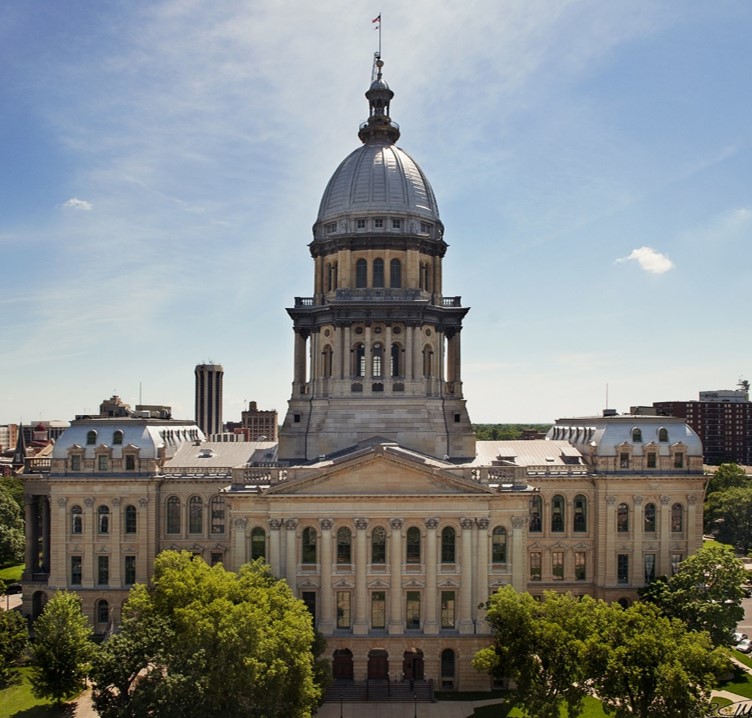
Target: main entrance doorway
x,y
378,664
342,664
412,664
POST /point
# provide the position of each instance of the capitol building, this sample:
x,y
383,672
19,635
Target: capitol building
x,y
376,505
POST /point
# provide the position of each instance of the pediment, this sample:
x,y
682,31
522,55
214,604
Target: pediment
x,y
379,471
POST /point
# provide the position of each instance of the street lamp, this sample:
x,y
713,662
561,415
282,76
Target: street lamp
x,y
341,697
415,705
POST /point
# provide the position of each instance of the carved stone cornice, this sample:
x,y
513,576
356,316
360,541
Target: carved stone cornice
x,y
326,524
467,523
361,524
396,524
291,524
483,524
432,523
275,524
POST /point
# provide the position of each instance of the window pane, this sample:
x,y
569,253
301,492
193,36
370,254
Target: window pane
x,y
580,513
343,609
378,545
622,518
195,515
412,609
536,514
447,609
557,514
535,566
557,565
76,570
344,545
677,518
580,572
218,515
129,577
173,515
447,545
378,272
258,544
622,568
650,517
499,545
103,520
131,520
103,570
309,546
378,609
413,545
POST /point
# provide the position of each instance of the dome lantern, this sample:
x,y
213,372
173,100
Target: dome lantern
x,y
379,127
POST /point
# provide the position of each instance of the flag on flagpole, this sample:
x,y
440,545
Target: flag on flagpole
x,y
377,18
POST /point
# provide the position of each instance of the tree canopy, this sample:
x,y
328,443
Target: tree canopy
x,y
13,640
210,642
12,539
728,516
727,476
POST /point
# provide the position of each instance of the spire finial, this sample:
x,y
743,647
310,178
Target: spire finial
x,y
379,126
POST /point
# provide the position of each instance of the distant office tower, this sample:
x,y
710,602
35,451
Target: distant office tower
x,y
260,423
209,398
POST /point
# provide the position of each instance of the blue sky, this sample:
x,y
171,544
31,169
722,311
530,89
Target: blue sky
x,y
163,161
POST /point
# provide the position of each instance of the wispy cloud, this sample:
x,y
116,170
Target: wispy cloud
x,y
80,205
650,260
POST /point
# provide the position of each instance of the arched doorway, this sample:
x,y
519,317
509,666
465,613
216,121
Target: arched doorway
x,y
412,664
38,602
342,665
447,669
378,664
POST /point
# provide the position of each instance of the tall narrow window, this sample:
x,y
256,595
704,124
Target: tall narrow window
x,y
217,512
624,460
359,358
77,520
344,545
308,553
103,520
447,545
173,515
580,567
557,513
412,609
557,565
622,568
395,360
75,462
258,543
91,438
535,566
103,612
652,459
536,514
579,522
130,519
331,277
499,545
102,462
676,559
327,357
343,609
679,460
378,545
677,518
129,570
195,515
76,570
103,570
649,567
622,518
117,438
361,274
378,609
662,434
378,360
427,361
378,273
130,462
447,609
649,518
636,435
395,274
413,545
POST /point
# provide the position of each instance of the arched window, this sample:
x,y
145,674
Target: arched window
x,y
448,545
130,516
91,438
579,522
344,545
378,545
649,518
331,276
637,435
217,514
361,274
677,518
173,515
396,353
326,362
378,360
427,361
447,668
557,513
103,612
499,545
258,543
103,520
413,545
536,514
77,520
622,518
359,360
117,438
378,273
395,274
195,515
308,547
662,434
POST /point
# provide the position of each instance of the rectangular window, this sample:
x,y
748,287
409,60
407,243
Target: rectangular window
x,y
624,460
447,609
102,462
130,462
343,609
652,462
360,224
396,223
378,609
676,559
103,570
622,568
580,570
678,460
75,564
557,565
412,609
331,228
425,228
535,566
378,222
216,557
309,598
129,573
75,462
649,567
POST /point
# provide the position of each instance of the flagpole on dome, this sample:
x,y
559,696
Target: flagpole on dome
x,y
377,20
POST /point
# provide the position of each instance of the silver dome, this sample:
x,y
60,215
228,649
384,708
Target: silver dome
x,y
378,178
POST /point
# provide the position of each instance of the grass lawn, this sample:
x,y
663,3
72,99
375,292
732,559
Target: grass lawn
x,y
741,684
591,709
10,574
16,700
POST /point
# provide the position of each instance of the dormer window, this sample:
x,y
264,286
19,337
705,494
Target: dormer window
x,y
663,434
117,438
91,438
637,436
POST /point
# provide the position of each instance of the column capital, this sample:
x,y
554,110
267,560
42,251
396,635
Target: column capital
x,y
361,524
326,524
611,500
483,524
432,523
396,524
61,502
637,500
275,524
467,523
518,522
665,500
291,524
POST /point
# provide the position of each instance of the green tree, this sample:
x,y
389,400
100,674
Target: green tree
x,y
727,476
728,516
206,641
706,593
12,539
13,641
644,665
62,649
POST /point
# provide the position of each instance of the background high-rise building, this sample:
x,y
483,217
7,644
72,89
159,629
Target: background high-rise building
x,y
209,397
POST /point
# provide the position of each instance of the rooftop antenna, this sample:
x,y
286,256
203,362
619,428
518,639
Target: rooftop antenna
x,y
377,22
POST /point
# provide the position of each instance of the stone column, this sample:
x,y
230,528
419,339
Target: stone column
x,y
326,620
88,557
239,549
31,535
481,575
291,545
431,623
58,577
610,564
347,360
664,559
417,354
518,553
116,563
45,509
465,624
300,360
690,528
409,359
396,622
147,526
338,351
360,627
638,534
368,352
274,547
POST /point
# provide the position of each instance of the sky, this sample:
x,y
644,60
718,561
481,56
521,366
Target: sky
x,y
162,162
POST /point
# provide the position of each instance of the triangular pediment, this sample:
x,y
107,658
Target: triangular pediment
x,y
382,470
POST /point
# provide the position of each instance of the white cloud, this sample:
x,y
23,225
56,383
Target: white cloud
x,y
650,260
78,204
